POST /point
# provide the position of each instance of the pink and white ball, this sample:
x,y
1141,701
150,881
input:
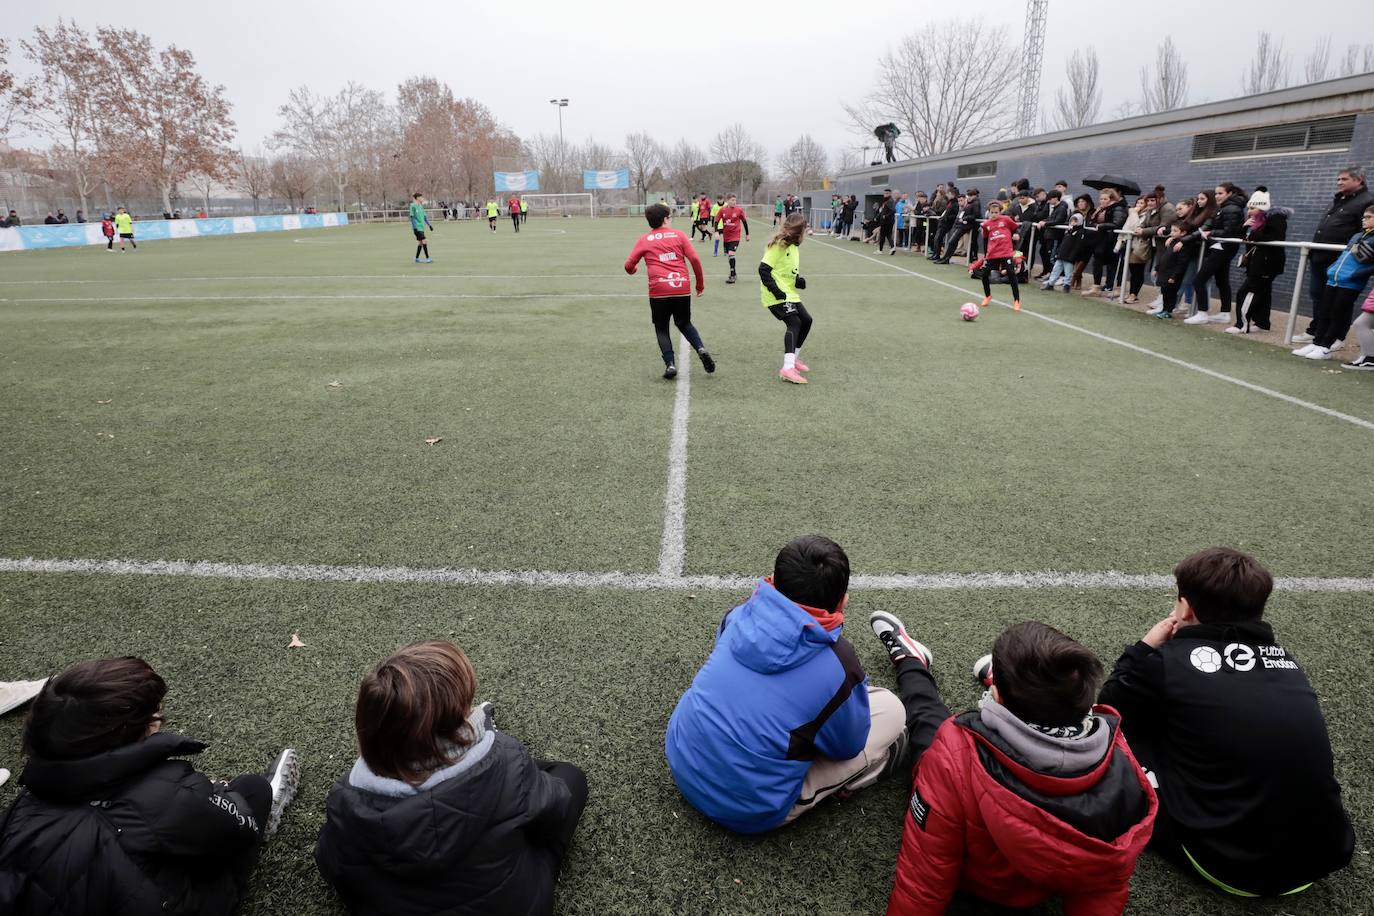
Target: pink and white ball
x,y
968,311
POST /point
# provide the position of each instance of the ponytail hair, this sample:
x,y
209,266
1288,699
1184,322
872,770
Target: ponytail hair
x,y
791,232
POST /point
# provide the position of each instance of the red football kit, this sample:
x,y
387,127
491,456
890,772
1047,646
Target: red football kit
x,y
999,231
704,211
667,252
513,205
731,220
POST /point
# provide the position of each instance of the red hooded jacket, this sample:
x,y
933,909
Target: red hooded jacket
x,y
983,822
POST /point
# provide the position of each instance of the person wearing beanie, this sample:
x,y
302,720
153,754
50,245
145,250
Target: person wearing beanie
x,y
1262,263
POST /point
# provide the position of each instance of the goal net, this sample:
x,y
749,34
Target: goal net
x,y
560,205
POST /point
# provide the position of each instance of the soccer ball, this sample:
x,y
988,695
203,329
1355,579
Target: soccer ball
x,y
1206,659
968,311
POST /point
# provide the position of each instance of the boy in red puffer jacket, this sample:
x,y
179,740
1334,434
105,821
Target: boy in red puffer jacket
x,y
1033,795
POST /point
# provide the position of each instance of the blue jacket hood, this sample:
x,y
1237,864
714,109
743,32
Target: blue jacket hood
x,y
771,633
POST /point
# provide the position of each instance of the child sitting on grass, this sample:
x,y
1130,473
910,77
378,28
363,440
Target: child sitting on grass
x,y
442,813
1230,731
781,715
109,822
1033,795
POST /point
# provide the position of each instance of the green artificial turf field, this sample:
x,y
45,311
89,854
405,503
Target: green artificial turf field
x,y
262,403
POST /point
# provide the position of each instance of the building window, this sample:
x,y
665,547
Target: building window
x,y
977,170
1327,134
877,180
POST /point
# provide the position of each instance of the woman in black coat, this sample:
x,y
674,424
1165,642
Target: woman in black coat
x,y
1109,216
1226,223
1262,263
109,823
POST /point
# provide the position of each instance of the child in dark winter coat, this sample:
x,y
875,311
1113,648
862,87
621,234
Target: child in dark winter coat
x,y
1069,249
442,813
109,822
1171,268
1262,263
107,229
1033,795
1230,730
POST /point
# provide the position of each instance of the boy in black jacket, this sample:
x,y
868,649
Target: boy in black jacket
x,y
1229,728
1170,268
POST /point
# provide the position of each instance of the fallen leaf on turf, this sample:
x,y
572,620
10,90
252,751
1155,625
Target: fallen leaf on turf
x,y
295,642
104,435
738,881
433,440
105,402
335,384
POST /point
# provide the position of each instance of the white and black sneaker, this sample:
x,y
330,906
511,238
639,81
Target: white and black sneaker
x,y
895,639
285,777
707,362
1364,362
982,670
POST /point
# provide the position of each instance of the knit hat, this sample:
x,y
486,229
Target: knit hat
x,y
1259,200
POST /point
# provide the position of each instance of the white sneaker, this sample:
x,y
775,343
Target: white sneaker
x,y
284,777
1316,352
1235,330
14,694
1221,318
1157,303
1302,351
1302,338
1199,318
1336,346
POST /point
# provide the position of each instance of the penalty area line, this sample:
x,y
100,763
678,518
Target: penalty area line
x,y
1145,351
193,569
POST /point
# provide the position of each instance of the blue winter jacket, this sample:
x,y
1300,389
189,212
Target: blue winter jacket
x,y
777,691
1354,265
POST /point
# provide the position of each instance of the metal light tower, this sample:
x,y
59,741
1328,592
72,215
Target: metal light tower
x,y
562,103
1028,110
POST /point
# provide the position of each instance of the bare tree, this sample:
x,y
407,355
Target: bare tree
x,y
934,86
293,176
1318,63
321,128
1268,69
254,176
1167,88
848,158
164,120
741,157
482,140
1357,59
1078,104
14,97
63,104
804,163
646,159
682,161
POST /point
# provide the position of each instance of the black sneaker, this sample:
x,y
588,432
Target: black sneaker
x,y
1364,362
285,777
670,371
895,639
707,362
730,279
982,670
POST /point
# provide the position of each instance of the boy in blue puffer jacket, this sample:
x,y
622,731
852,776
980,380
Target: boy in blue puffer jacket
x,y
781,715
1344,280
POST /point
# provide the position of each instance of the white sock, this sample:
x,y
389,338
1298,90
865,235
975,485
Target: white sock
x,y
789,360
796,354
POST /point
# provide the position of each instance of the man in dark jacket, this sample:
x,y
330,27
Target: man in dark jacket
x,y
967,224
887,218
945,225
1055,213
1231,732
1337,225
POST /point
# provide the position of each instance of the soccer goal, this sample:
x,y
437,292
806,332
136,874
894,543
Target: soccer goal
x,y
561,204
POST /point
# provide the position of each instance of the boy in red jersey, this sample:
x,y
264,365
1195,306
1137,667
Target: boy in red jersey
x,y
513,208
665,249
999,241
704,217
732,221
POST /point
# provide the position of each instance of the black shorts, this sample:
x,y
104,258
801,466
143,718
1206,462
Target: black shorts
x,y
126,235
732,246
782,310
491,219
670,308
419,235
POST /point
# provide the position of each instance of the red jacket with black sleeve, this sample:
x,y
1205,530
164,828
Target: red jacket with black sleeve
x,y
667,252
982,821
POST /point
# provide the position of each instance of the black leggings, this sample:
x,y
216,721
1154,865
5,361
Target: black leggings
x,y
798,321
1137,274
1261,293
1216,265
515,220
576,781
1104,268
1007,265
678,309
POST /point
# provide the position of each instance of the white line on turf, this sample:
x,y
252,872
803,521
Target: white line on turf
x,y
327,297
630,581
673,551
423,275
1183,363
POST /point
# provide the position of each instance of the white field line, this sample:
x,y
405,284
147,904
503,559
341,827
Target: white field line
x,y
424,275
630,581
1183,363
672,553
327,297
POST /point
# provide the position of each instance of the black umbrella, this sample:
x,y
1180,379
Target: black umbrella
x,y
1124,185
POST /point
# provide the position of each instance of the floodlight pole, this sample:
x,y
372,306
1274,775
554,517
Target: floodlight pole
x,y
561,103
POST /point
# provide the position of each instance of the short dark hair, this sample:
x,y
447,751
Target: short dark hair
x,y
1056,194
971,192
1044,677
412,711
1224,585
655,214
1061,181
417,195
92,707
812,570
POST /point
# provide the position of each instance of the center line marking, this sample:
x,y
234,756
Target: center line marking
x,y
1183,363
673,552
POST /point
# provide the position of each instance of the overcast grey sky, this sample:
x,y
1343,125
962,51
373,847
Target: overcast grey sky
x,y
780,69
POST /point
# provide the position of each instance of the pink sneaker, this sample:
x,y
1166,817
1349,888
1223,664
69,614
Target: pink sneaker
x,y
792,375
802,367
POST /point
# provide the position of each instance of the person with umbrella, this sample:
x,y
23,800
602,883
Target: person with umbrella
x,y
887,134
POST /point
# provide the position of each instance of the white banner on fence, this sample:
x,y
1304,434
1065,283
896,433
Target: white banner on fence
x,y
72,235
